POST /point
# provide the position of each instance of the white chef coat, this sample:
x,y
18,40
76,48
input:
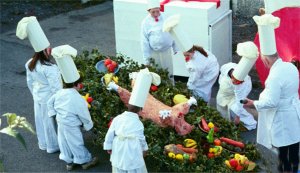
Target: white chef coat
x,y
203,73
126,139
71,111
70,108
43,82
229,96
281,94
153,39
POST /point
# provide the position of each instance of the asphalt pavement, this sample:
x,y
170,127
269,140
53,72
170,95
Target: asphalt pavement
x,y
84,29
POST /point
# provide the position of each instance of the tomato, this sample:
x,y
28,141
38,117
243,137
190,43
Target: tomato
x,y
110,68
114,64
217,142
210,155
107,62
154,88
89,99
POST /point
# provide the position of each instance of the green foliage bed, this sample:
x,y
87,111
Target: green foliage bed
x,y
107,104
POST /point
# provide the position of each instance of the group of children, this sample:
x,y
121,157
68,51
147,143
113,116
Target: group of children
x,y
125,139
161,34
65,107
278,103
54,104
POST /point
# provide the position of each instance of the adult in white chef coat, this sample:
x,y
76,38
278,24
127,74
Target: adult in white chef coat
x,y
43,80
202,65
71,112
155,43
235,85
278,105
125,139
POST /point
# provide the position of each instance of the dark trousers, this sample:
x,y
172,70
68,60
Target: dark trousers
x,y
289,158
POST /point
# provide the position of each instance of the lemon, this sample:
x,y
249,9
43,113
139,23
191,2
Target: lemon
x,y
179,157
179,98
115,79
227,164
211,125
171,155
108,77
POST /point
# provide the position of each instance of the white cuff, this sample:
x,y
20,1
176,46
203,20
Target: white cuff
x,y
88,126
112,86
107,146
51,113
192,101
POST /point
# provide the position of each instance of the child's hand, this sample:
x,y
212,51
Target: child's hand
x,y
144,153
109,151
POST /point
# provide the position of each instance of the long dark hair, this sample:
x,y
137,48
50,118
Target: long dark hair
x,y
39,56
199,49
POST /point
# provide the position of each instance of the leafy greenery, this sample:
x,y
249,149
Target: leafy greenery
x,y
14,121
107,104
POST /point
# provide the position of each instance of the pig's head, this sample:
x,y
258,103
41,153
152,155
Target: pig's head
x,y
182,127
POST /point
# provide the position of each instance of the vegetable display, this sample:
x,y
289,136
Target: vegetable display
x,y
107,104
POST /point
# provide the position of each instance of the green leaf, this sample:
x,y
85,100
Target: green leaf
x,y
27,126
11,117
11,132
251,166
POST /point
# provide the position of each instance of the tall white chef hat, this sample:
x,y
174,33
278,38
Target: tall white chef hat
x,y
30,27
63,57
227,67
249,53
172,25
153,4
266,25
141,88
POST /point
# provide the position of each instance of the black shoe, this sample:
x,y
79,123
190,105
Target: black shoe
x,y
90,164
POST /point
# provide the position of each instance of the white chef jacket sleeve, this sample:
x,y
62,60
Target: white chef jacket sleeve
x,y
29,80
53,76
50,106
84,114
174,47
109,137
196,75
191,80
145,45
142,140
239,93
272,90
